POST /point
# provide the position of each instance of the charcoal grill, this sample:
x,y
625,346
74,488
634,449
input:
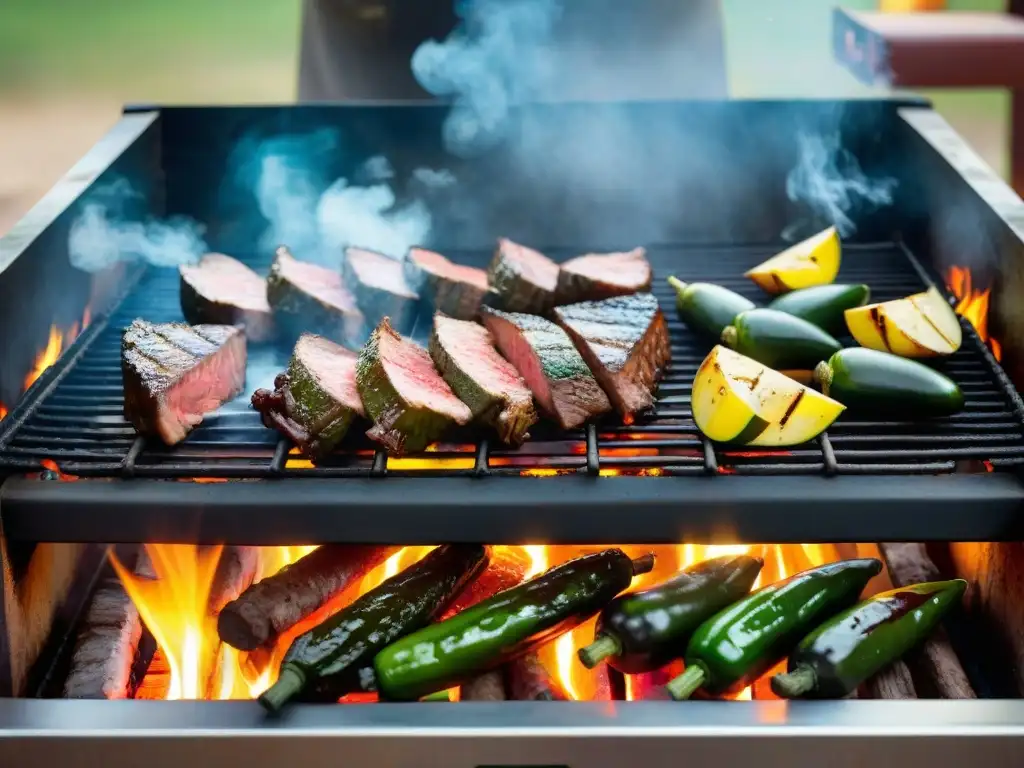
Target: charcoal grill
x,y
702,186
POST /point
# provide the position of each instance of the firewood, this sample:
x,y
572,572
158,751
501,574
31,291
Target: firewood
x,y
486,687
237,569
936,663
527,679
273,605
893,682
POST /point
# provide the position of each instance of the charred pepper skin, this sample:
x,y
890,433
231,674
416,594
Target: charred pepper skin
x,y
504,627
844,652
336,656
643,631
739,644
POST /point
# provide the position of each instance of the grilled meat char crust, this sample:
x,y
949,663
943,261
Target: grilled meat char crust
x,y
380,288
173,374
450,288
224,291
625,342
521,279
545,357
597,276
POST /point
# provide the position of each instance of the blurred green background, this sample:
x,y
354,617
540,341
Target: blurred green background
x,y
66,66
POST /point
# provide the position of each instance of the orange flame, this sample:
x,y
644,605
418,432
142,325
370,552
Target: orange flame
x,y
3,411
57,342
973,305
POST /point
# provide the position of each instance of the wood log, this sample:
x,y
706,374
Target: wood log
x,y
893,682
527,679
490,686
935,665
273,605
236,571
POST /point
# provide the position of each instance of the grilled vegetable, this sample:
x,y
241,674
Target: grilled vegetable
x,y
643,631
316,401
736,399
707,308
815,261
521,279
597,276
505,627
224,291
333,658
884,384
738,645
922,325
409,402
823,305
844,652
781,341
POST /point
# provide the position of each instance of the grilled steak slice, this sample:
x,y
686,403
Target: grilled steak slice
x,y
315,402
223,291
521,279
464,353
409,402
546,358
309,298
378,282
597,276
625,342
450,288
174,374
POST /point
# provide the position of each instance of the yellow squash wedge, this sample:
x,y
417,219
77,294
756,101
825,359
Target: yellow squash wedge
x,y
738,400
922,325
815,261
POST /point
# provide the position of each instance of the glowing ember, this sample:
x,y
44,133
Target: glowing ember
x,y
973,305
3,411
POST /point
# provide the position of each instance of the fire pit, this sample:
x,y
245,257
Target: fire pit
x,y
234,503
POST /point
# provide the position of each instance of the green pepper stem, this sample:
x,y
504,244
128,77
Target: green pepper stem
x,y
290,681
437,696
790,685
599,650
683,686
643,564
823,375
676,283
730,336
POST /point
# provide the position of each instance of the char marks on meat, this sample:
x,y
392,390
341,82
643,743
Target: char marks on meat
x,y
223,291
410,404
380,288
174,374
625,342
521,279
489,384
309,298
545,357
315,402
596,276
451,288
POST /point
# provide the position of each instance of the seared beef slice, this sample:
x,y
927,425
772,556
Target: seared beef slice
x,y
598,276
379,285
309,298
625,342
174,374
464,353
222,290
521,279
450,288
315,402
409,402
546,358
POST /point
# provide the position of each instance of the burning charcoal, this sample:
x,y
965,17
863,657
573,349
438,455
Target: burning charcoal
x,y
893,682
597,276
464,353
174,374
409,402
223,291
307,297
378,282
546,358
279,602
451,288
527,679
521,279
507,568
315,402
626,344
487,687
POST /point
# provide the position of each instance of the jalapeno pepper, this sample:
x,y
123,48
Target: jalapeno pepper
x,y
504,627
739,644
844,652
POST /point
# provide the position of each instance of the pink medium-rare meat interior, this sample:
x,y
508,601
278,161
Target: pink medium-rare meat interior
x,y
322,283
530,264
334,367
379,271
438,265
221,278
471,346
412,374
629,269
517,350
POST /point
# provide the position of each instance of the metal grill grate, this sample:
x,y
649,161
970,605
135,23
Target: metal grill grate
x,y
74,417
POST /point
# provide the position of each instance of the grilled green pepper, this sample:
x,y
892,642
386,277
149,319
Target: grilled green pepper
x,y
334,658
739,644
707,308
504,627
844,652
779,340
645,630
823,305
887,385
